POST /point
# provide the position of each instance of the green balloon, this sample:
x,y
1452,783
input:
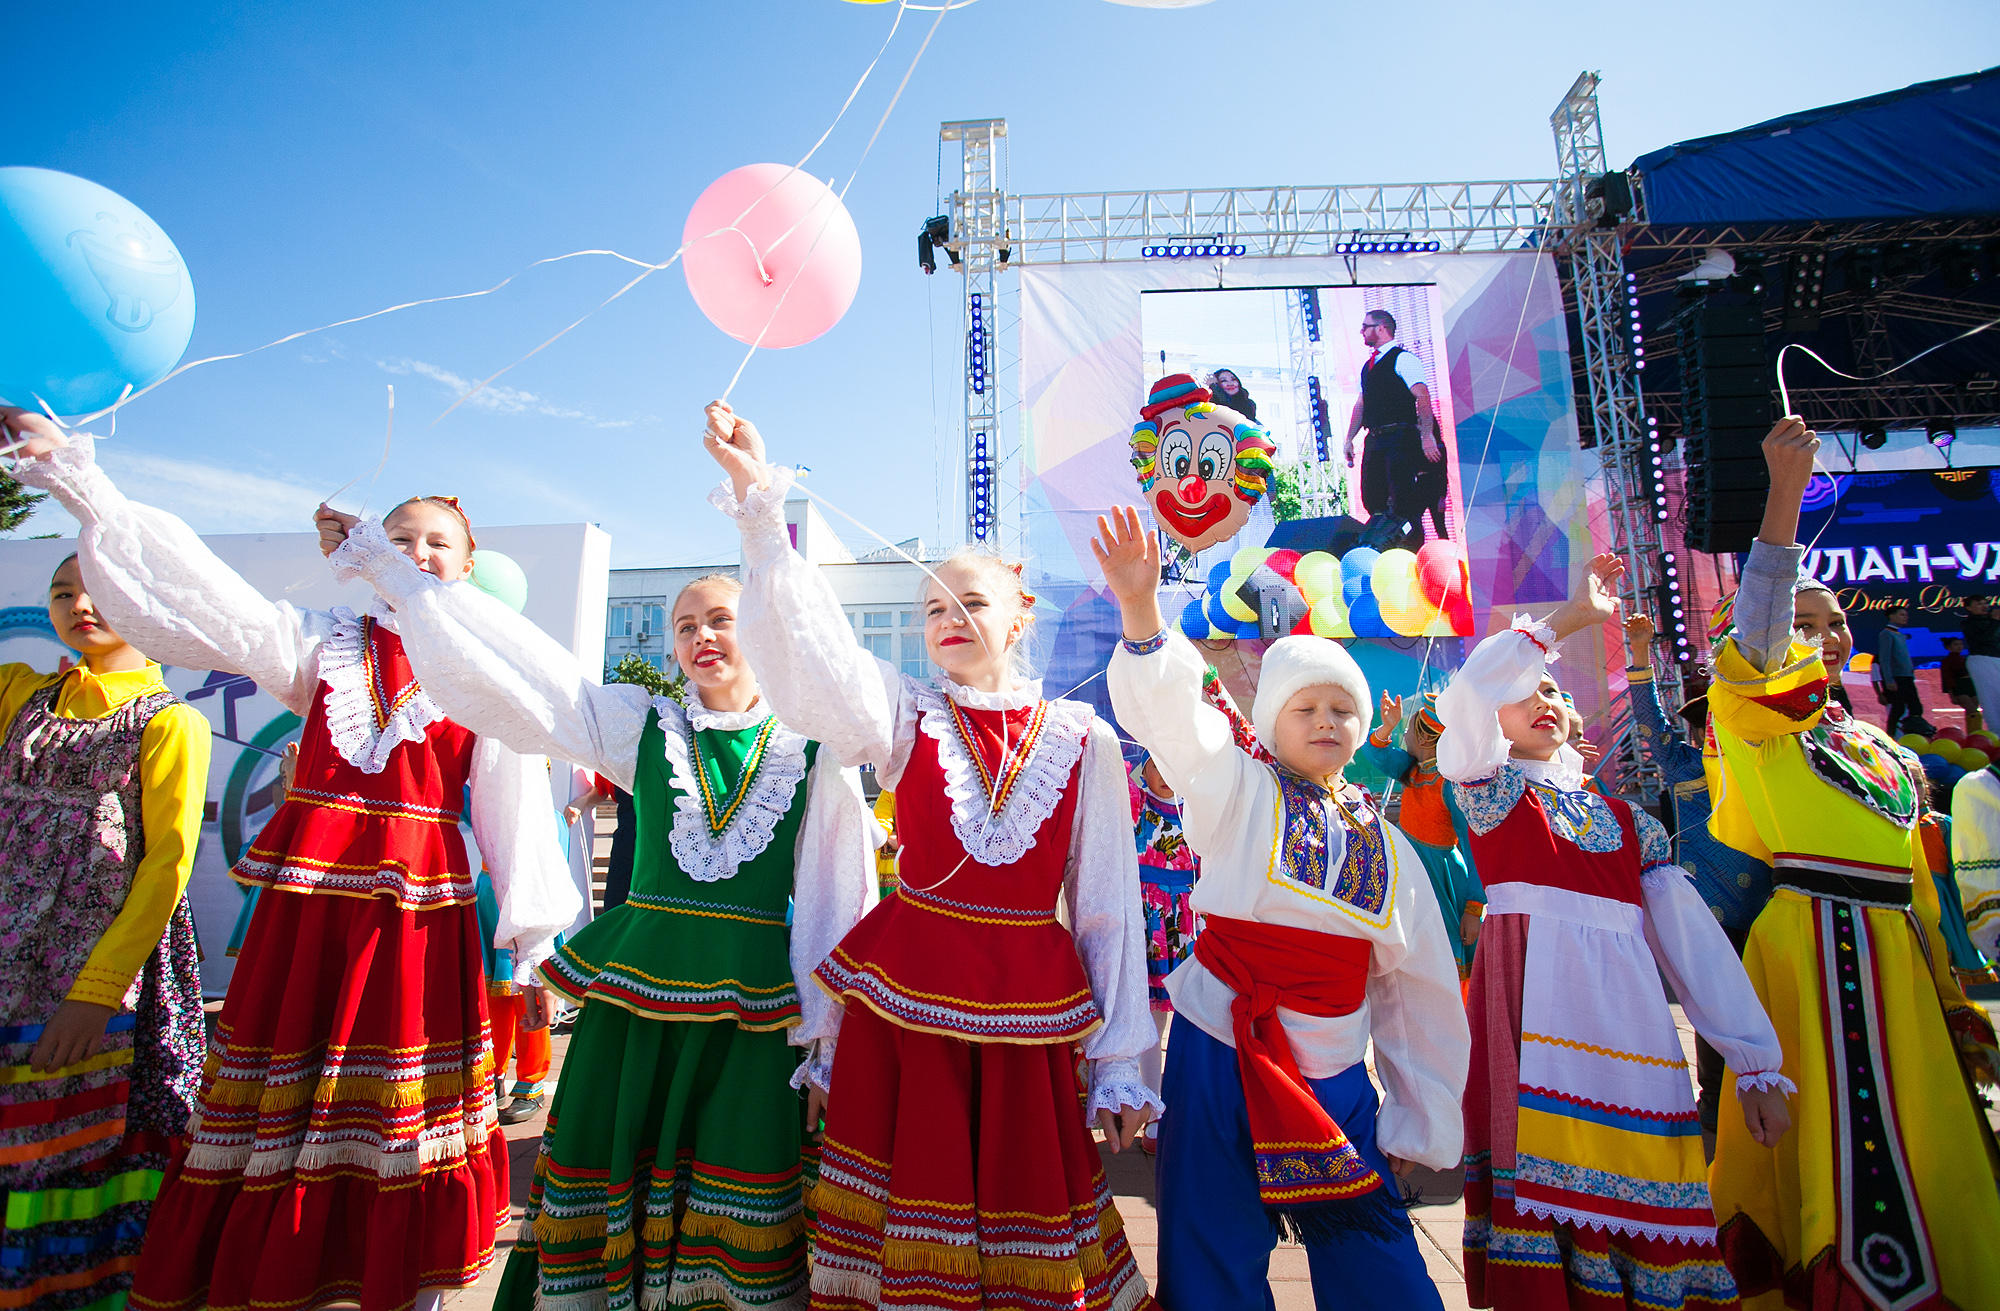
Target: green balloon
x,y
499,577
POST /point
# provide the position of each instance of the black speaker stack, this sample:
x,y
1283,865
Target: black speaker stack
x,y
1725,412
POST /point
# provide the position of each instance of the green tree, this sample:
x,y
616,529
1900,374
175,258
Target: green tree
x,y
637,670
1286,503
16,503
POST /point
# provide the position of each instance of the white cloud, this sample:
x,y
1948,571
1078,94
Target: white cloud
x,y
212,498
497,398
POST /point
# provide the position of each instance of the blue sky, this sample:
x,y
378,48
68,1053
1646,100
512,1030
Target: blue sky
x,y
314,162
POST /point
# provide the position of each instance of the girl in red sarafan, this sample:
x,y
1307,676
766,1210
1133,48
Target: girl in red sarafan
x,y
345,1147
957,1167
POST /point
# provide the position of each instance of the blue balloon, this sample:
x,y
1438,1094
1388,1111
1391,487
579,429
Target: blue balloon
x,y
1365,617
1194,620
1357,576
97,298
499,577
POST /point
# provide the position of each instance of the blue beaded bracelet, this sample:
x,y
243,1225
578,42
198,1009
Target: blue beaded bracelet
x,y
1148,645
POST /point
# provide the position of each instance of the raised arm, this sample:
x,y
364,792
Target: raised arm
x,y
1506,667
158,584
514,823
1763,611
798,641
494,671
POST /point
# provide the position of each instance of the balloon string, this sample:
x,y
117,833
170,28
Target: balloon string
x,y
731,226
881,123
1785,395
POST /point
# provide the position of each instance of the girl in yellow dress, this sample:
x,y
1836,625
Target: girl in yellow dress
x,y
1884,1194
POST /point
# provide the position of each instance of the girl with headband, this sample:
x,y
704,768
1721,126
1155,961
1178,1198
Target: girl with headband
x,y
346,1144
1585,1177
958,1168
1886,1194
672,1170
103,773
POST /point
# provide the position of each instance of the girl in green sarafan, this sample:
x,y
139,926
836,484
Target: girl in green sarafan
x,y
670,1171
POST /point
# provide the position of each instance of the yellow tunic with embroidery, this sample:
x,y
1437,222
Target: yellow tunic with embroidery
x,y
173,776
1886,1183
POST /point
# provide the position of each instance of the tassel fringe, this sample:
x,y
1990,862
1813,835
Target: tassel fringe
x,y
831,1199
749,1238
934,1258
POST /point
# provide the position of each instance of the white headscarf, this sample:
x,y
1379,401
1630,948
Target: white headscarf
x,y
1291,663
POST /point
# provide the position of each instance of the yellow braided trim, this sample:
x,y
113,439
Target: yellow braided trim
x,y
568,1228
1634,1057
831,1199
934,1258
750,1238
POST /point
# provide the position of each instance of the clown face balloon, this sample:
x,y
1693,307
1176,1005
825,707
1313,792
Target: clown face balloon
x,y
1201,467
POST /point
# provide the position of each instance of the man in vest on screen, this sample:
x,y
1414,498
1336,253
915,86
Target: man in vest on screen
x,y
1395,408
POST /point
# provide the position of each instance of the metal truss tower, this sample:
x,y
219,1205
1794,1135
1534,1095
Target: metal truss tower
x,y
1591,237
978,246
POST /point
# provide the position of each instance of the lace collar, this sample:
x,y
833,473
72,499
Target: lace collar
x,y
700,717
749,815
996,818
366,719
1017,698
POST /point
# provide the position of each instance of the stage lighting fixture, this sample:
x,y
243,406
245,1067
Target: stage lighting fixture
x,y
1317,403
981,488
1805,285
1958,265
1905,259
1875,436
1309,310
1941,435
1635,337
1608,198
975,344
1861,269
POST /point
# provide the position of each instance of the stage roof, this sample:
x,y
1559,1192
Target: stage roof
x,y
1925,151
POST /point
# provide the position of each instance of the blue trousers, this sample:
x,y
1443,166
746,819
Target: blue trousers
x,y
1215,1241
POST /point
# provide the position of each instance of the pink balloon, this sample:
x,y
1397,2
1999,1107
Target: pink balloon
x,y
781,274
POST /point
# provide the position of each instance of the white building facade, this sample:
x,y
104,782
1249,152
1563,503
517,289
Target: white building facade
x,y
879,592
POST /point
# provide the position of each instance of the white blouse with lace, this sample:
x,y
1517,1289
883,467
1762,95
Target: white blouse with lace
x,y
160,587
863,710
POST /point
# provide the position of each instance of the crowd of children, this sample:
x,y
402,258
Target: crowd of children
x,y
830,1058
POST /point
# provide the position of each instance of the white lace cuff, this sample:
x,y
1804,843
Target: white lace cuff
x,y
365,554
71,474
817,1067
1540,634
760,515
529,954
1765,1081
1661,878
1115,1084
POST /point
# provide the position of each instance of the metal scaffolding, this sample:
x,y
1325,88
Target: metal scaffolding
x,y
978,248
1591,237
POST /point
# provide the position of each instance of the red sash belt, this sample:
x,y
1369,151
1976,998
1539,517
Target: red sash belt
x,y
1310,1177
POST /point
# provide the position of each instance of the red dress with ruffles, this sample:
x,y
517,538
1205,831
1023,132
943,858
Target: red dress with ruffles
x,y
347,1146
956,1167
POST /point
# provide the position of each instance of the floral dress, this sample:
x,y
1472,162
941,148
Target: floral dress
x,y
1168,869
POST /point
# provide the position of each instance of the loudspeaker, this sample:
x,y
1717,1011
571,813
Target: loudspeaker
x,y
1725,412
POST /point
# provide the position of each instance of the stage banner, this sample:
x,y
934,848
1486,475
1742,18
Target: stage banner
x,y
1924,538
1406,523
567,567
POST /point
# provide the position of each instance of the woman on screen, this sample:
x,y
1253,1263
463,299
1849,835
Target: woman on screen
x,y
1230,393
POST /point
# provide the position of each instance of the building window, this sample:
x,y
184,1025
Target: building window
x,y
910,619
914,664
654,619
875,619
621,622
879,645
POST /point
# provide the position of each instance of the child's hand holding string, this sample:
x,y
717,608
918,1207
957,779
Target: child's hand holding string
x,y
736,445
333,528
26,435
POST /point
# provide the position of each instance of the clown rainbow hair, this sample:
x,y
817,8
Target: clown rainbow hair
x,y
1253,453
